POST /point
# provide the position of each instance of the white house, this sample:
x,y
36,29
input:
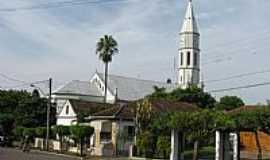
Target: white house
x,y
73,110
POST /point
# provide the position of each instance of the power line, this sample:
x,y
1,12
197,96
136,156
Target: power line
x,y
240,87
11,79
237,76
70,3
230,58
246,40
24,84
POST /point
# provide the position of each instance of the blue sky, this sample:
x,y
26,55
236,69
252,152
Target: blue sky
x,y
60,42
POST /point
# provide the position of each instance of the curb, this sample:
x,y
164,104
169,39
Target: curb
x,y
57,154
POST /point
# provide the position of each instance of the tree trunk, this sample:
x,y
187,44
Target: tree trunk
x,y
81,148
106,82
258,145
196,150
61,144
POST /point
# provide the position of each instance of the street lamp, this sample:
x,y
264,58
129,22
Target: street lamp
x,y
48,111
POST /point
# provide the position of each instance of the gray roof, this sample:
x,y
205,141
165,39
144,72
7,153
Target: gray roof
x,y
133,88
79,88
129,89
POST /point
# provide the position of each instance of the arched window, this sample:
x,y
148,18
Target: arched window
x,y
67,109
188,58
182,56
195,59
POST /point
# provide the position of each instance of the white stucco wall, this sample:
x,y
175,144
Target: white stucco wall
x,y
66,119
101,86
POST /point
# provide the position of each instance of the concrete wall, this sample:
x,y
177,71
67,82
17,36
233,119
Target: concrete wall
x,y
109,147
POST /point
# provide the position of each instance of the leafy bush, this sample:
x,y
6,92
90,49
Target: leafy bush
x,y
40,132
144,142
164,146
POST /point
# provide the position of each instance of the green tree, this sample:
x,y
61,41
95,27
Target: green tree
x,y
230,102
6,123
79,133
145,142
106,48
40,132
61,131
164,145
193,94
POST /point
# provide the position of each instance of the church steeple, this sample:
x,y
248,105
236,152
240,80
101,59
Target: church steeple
x,y
189,24
189,52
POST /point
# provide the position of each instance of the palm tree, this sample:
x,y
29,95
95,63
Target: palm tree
x,y
105,49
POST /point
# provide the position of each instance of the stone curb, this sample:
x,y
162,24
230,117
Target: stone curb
x,y
58,154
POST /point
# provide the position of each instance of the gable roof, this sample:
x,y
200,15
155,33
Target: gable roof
x,y
244,108
118,112
167,106
88,108
79,88
127,111
131,89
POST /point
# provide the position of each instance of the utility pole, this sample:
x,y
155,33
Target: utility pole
x,y
48,114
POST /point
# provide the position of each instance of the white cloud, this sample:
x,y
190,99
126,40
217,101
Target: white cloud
x,y
61,42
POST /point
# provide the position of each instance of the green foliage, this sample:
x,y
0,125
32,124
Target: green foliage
x,y
19,108
144,142
79,132
253,120
229,103
163,145
30,132
6,123
61,130
106,48
40,132
18,131
9,100
192,94
144,114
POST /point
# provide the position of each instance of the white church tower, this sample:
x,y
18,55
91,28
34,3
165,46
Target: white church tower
x,y
189,51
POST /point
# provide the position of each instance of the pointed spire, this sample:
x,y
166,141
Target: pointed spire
x,y
190,24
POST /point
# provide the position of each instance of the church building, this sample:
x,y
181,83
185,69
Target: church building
x,y
88,96
125,89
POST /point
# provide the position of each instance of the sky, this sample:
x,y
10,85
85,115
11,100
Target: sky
x,y
59,42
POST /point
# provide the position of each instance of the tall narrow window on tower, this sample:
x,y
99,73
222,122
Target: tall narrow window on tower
x,y
182,56
195,59
188,58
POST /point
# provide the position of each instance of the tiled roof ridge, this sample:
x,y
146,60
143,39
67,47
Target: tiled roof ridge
x,y
126,77
105,110
64,84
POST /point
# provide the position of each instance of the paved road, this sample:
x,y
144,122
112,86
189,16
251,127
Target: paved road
x,y
13,154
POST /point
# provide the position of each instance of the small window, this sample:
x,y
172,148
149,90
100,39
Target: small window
x,y
67,109
131,131
195,59
182,56
188,58
105,136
